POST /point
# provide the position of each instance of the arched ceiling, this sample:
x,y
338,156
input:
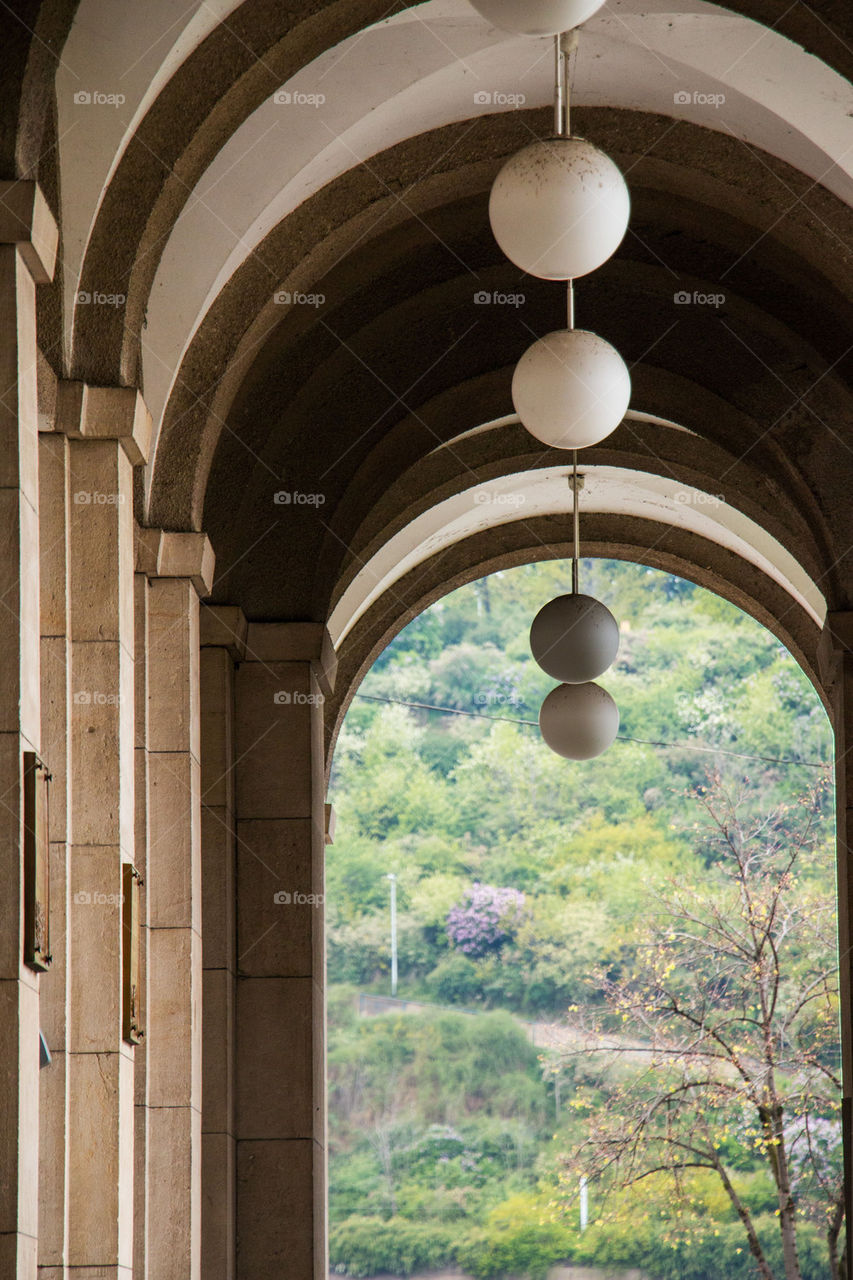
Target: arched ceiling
x,y
529,495
200,199
426,66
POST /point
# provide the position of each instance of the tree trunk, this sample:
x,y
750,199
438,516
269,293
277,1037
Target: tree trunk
x,y
772,1123
789,1242
744,1215
837,1266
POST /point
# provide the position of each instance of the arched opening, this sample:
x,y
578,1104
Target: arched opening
x,y
466,814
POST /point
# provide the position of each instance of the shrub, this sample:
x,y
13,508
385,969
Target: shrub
x,y
487,919
526,1249
455,980
368,1246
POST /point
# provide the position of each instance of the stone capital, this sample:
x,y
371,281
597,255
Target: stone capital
x,y
84,412
294,642
26,221
224,626
162,553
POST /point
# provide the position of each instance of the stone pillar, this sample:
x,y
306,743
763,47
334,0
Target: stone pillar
x,y
223,643
837,673
140,1080
180,570
109,432
28,238
55,987
280,1008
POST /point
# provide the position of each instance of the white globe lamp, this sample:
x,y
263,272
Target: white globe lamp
x,y
574,638
559,208
571,389
579,721
537,17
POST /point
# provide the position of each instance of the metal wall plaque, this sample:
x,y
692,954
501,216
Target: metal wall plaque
x,y
131,1008
36,863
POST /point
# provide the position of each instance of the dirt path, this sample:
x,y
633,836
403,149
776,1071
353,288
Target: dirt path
x,y
544,1035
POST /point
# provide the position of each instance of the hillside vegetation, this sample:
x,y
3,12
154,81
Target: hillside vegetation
x,y
525,887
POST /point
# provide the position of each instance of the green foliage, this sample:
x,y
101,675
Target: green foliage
x,y
368,1246
703,1250
526,1248
441,1126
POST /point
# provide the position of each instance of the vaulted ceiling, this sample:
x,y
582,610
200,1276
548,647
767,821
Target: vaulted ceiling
x,y
209,162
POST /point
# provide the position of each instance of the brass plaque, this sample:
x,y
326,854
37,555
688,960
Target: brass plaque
x,y
36,863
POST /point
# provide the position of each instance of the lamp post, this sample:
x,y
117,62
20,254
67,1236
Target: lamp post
x,y
393,880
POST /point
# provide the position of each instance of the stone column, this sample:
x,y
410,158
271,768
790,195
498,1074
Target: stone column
x,y
140,1075
179,572
28,238
280,1018
109,432
55,987
223,643
837,673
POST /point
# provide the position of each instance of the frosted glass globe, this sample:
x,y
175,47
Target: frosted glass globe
x,y
571,389
559,208
579,721
574,638
537,17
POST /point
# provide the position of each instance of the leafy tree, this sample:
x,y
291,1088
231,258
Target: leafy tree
x,y
732,1010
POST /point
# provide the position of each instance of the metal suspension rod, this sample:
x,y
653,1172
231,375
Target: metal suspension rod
x,y
559,89
577,523
567,44
570,303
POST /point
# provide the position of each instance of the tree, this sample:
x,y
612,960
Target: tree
x,y
732,1013
486,919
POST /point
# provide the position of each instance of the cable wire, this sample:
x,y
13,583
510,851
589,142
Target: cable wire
x,y
622,737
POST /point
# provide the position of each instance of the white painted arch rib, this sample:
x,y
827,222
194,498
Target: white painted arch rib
x,y
527,495
424,68
125,52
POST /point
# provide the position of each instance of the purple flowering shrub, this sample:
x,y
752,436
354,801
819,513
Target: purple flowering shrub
x,y
485,920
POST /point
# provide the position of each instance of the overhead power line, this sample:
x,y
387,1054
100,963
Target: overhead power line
x,y
622,737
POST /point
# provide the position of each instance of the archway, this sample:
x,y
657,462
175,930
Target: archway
x,y
514,785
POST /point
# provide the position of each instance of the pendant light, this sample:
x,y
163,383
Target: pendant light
x,y
560,207
571,389
537,17
579,721
574,638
